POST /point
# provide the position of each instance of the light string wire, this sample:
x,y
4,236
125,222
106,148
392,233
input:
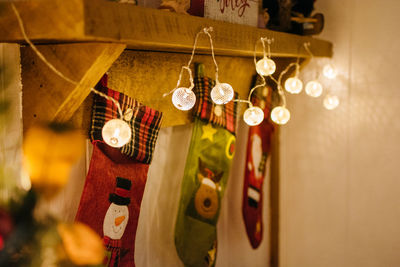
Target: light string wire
x,y
297,65
187,67
266,53
307,48
54,69
206,31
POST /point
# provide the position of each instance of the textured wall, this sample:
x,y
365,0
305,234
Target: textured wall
x,y
339,169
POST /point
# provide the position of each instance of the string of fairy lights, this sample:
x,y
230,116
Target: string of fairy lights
x,y
117,132
183,98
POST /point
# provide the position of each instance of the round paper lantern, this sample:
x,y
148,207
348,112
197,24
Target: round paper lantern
x,y
280,115
222,93
331,102
116,133
265,66
183,98
293,85
253,116
329,71
314,88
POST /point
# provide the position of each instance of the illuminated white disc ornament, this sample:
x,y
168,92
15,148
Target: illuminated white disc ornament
x,y
183,98
293,85
265,66
116,133
222,93
314,88
280,115
253,116
329,71
331,102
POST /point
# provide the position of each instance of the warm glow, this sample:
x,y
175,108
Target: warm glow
x,y
314,88
331,102
183,98
222,93
253,116
116,133
329,71
49,153
293,85
82,245
25,181
265,66
280,115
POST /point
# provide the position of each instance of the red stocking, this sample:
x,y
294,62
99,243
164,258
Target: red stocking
x,y
258,150
115,183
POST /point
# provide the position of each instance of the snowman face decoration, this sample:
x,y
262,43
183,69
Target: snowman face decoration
x,y
115,221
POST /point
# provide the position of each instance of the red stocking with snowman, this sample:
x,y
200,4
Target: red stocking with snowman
x,y
115,220
114,186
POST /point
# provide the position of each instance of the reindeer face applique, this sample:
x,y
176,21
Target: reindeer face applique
x,y
206,199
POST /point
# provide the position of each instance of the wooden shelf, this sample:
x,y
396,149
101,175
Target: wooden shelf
x,y
60,21
85,38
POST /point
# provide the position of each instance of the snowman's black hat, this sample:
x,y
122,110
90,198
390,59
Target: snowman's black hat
x,y
121,193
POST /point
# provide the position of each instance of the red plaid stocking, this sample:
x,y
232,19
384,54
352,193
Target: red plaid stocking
x,y
115,183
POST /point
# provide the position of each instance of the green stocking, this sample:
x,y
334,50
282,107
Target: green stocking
x,y
206,173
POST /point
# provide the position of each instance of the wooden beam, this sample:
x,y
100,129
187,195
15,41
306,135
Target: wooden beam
x,y
46,21
48,97
58,21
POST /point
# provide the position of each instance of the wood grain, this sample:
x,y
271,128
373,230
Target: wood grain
x,y
59,21
46,96
44,20
146,76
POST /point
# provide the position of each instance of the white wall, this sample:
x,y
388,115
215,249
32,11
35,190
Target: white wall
x,y
155,236
340,197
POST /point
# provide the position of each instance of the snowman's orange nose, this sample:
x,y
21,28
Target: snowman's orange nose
x,y
119,220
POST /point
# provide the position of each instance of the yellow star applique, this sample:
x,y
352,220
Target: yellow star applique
x,y
208,132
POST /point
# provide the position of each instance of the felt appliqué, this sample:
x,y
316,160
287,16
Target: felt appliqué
x,y
205,178
258,150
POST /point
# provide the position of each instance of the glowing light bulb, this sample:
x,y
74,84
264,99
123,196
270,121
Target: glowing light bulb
x,y
116,133
280,115
329,71
331,102
253,116
265,66
293,85
183,98
222,93
314,88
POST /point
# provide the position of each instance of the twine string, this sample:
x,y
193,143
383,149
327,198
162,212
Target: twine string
x,y
205,31
307,48
52,67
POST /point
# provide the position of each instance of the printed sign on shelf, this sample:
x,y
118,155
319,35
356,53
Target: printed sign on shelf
x,y
234,11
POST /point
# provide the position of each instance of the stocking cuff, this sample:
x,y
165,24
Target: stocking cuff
x,y
205,109
145,122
